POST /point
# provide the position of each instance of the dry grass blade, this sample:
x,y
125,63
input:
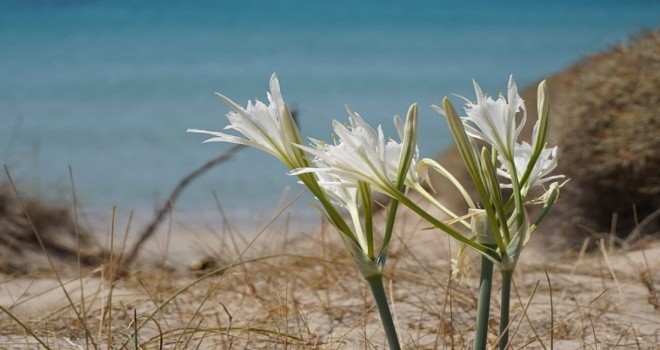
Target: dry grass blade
x,y
552,312
646,276
47,254
570,316
526,316
83,308
135,337
24,327
611,269
636,233
107,308
593,332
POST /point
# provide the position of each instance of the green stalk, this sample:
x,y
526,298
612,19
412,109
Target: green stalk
x,y
481,248
405,158
517,194
389,229
365,196
378,291
507,278
468,153
500,235
483,305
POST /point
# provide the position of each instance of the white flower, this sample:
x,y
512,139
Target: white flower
x,y
343,196
494,121
546,163
267,127
340,192
360,154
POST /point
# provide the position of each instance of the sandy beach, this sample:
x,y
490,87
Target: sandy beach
x,y
304,293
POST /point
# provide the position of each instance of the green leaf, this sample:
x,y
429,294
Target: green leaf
x,y
465,148
409,146
366,201
543,107
498,222
428,162
540,130
408,150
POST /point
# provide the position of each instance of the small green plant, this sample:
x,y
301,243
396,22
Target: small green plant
x,y
343,174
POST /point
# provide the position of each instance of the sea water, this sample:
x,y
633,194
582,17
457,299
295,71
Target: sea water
x,y
108,88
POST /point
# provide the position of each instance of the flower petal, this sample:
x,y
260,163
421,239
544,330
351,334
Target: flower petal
x,y
267,127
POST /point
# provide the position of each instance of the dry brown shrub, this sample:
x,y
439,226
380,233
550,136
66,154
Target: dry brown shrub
x,y
605,118
24,222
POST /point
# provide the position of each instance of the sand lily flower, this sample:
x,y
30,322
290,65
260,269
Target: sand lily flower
x,y
494,121
343,196
270,128
540,169
362,154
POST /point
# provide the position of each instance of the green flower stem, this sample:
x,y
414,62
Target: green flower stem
x,y
517,194
428,162
424,193
481,248
378,291
507,278
483,305
389,229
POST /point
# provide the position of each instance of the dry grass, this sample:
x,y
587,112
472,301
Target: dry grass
x,y
605,120
304,293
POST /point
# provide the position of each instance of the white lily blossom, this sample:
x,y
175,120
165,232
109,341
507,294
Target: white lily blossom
x,y
342,196
360,154
544,165
494,121
267,127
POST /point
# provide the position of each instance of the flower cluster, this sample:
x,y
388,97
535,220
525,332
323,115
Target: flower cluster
x,y
343,174
340,175
496,123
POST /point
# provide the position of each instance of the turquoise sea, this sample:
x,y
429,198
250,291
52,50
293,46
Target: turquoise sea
x,y
109,87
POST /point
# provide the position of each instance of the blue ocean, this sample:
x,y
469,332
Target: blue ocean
x,y
108,88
